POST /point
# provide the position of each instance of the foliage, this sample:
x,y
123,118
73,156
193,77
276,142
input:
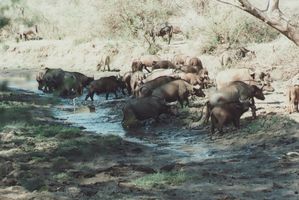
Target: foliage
x,y
233,27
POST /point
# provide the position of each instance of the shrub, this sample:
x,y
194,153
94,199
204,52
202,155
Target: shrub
x,y
233,27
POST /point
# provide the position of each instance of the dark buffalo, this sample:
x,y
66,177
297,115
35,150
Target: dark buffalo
x,y
51,80
71,86
85,80
103,85
226,113
161,31
142,109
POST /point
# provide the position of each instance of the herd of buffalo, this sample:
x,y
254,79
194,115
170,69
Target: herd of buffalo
x,y
153,83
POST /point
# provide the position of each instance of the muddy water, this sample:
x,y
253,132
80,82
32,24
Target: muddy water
x,y
104,117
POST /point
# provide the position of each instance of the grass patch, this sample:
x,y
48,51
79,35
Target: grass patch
x,y
274,122
87,146
62,177
161,179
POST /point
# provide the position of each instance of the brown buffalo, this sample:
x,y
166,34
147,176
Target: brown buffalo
x,y
177,90
194,61
189,69
147,88
135,82
163,64
226,113
158,73
137,65
204,76
142,109
103,85
148,60
181,59
293,97
236,91
193,79
127,79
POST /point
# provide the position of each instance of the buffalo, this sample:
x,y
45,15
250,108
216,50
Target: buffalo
x,y
142,109
236,91
147,88
135,81
177,90
226,113
104,85
163,64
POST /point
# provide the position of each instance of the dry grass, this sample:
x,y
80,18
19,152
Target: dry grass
x,y
77,38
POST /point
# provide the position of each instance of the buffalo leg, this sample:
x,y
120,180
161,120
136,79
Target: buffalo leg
x,y
236,123
213,122
107,95
169,38
91,95
208,113
253,108
123,91
115,94
187,102
181,102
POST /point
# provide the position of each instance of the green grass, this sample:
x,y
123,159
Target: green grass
x,y
161,179
274,122
62,177
87,146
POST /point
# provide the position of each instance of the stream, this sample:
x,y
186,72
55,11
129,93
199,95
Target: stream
x,y
104,117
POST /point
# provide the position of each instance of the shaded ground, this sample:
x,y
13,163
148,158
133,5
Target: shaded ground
x,y
42,157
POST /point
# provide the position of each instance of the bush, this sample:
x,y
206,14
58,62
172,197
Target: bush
x,y
230,26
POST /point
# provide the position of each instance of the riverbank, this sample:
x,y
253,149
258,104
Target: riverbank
x,y
45,157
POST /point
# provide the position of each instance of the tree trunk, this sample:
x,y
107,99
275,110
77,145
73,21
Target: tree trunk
x,y
272,16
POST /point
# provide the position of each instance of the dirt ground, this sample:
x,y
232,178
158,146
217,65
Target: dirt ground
x,y
259,161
